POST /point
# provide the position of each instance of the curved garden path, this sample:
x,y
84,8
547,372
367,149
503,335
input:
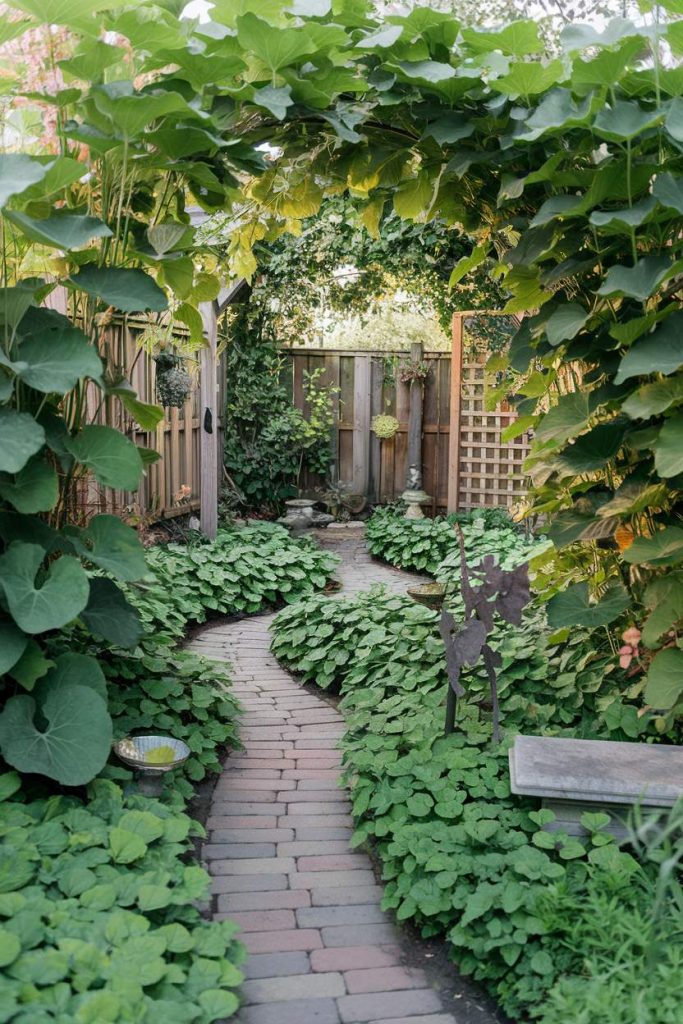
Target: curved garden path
x,y
321,950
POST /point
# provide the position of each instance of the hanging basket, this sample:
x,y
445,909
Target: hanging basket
x,y
173,382
384,427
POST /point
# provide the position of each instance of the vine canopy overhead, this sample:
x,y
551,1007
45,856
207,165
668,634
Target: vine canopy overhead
x,y
565,171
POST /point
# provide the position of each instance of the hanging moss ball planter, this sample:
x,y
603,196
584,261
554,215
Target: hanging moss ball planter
x,y
173,382
384,427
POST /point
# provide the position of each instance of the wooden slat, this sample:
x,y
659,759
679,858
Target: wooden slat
x,y
455,409
361,424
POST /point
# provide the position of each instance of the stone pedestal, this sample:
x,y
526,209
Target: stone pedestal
x,y
414,499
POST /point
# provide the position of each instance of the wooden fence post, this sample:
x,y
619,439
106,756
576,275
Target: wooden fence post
x,y
361,423
456,401
208,424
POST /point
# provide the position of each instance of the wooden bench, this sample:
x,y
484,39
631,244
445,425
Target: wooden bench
x,y
574,776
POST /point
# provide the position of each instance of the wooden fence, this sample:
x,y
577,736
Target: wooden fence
x,y
465,464
177,437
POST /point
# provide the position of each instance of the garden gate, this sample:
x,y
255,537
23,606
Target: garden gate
x,y
465,462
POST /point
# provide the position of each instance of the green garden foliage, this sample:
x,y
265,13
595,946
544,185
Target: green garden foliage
x,y
268,442
242,571
462,857
425,545
98,916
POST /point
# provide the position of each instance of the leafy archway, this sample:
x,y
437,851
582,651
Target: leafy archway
x,y
566,172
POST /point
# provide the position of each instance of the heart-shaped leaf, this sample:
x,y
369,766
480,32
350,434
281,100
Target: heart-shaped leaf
x,y
56,360
573,607
17,172
60,230
659,352
132,291
113,458
73,741
109,615
669,447
39,605
639,281
665,679
12,645
665,547
35,488
21,437
108,543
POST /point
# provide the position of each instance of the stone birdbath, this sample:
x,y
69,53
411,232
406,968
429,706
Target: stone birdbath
x,y
430,595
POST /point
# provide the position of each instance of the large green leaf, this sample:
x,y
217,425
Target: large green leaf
x,y
414,197
131,291
592,450
71,744
626,218
624,120
39,604
573,607
276,47
17,172
56,360
665,547
519,39
527,78
659,352
64,12
638,282
112,458
665,679
653,399
21,438
669,190
669,447
32,665
12,645
131,111
664,598
111,545
109,615
60,230
568,417
557,110
35,488
73,668
565,323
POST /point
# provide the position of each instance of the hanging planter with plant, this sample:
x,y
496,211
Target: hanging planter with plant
x,y
414,370
173,382
384,427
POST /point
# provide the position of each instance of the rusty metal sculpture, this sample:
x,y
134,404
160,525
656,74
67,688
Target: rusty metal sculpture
x,y
496,591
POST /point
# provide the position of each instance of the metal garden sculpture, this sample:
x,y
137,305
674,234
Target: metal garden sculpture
x,y
496,591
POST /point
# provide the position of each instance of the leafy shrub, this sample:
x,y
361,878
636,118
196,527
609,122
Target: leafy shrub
x,y
461,856
240,572
98,912
424,545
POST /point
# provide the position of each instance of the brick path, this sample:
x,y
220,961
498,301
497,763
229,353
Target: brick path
x,y
321,950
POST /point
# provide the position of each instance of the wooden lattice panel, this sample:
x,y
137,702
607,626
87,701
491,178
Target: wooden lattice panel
x,y
490,468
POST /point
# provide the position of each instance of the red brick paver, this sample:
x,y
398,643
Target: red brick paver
x,y
321,949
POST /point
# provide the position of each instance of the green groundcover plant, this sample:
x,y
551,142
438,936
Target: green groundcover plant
x,y
243,570
423,545
98,894
461,856
98,915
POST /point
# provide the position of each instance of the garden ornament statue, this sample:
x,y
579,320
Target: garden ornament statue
x,y
302,515
502,592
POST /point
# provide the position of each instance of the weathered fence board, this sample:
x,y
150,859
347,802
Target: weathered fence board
x,y
176,438
474,468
